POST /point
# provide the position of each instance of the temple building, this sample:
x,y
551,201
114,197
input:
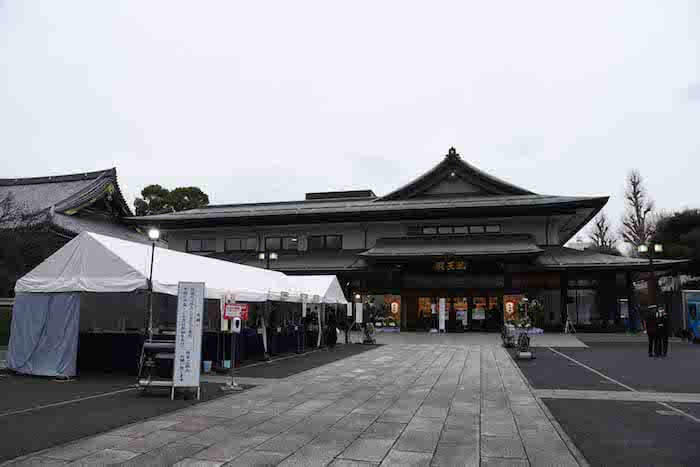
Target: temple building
x,y
455,232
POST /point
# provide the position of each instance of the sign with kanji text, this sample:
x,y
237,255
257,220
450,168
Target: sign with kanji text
x,y
188,337
236,310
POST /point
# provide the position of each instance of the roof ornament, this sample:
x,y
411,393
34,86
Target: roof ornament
x,y
452,154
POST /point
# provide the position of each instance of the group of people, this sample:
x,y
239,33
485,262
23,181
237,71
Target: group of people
x,y
657,327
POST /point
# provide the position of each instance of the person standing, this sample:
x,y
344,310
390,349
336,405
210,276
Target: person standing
x,y
650,323
331,332
662,333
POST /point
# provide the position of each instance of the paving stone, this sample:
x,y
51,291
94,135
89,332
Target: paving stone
x,y
397,458
226,450
105,457
334,441
432,412
448,455
349,463
153,441
502,447
367,449
425,424
67,453
285,442
499,462
418,441
37,461
257,459
197,463
197,424
166,455
354,422
384,430
144,428
308,456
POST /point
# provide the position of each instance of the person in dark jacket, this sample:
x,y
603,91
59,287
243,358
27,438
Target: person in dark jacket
x,y
650,323
331,332
662,333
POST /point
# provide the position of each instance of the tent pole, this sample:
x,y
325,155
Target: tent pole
x,y
150,295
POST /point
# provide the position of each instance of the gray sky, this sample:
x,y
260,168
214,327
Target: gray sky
x,y
264,101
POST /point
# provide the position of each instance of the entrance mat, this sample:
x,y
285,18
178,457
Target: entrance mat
x,y
29,431
289,366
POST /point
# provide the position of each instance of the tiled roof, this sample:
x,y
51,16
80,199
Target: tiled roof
x,y
560,257
364,206
321,261
478,245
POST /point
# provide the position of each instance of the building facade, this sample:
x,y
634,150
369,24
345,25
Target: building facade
x,y
455,232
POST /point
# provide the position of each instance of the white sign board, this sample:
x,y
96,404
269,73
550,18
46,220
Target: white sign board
x,y
188,337
442,314
349,310
358,312
303,309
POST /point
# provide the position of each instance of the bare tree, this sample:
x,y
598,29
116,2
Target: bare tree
x,y
637,221
601,234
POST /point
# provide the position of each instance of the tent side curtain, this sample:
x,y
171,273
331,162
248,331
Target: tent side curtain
x,y
44,334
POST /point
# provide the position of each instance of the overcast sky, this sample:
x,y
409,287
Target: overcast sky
x,y
265,101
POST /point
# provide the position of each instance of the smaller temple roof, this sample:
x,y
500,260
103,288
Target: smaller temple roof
x,y
479,245
309,262
69,204
562,258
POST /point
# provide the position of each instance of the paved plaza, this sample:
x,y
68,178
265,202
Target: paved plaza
x,y
416,400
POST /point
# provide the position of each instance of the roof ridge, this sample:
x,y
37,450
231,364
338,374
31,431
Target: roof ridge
x,y
58,178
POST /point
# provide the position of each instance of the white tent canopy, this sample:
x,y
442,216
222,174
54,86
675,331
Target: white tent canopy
x,y
97,263
324,289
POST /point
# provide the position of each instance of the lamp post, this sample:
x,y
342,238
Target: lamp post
x,y
154,235
651,283
267,256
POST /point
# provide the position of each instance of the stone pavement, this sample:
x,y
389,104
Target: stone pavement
x,y
418,400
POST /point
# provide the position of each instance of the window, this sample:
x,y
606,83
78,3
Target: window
x,y
290,243
240,244
273,243
201,245
326,242
334,242
461,230
429,230
476,229
316,242
493,229
444,230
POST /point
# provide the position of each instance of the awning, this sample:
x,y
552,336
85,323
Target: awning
x,y
480,245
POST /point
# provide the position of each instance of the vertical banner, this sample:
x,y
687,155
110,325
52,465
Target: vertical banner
x,y
442,314
188,338
304,302
349,310
358,312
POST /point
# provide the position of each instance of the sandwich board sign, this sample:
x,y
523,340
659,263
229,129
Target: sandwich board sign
x,y
188,337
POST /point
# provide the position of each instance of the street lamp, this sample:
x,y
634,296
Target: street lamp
x,y
267,256
154,235
651,283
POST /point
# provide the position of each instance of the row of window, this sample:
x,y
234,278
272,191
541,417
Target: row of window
x,y
460,229
316,242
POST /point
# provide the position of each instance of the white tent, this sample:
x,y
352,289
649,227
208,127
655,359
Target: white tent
x,y
326,288
97,263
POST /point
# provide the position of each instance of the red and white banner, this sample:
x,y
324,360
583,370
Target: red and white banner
x,y
236,310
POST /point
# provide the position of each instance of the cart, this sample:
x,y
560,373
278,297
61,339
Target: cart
x,y
520,338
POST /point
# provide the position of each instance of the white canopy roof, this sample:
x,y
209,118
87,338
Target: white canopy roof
x,y
97,263
324,289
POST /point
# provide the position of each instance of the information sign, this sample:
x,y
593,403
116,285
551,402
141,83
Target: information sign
x,y
443,312
188,339
349,310
358,312
236,310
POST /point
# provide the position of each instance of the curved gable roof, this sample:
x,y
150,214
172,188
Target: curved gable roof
x,y
453,176
65,193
